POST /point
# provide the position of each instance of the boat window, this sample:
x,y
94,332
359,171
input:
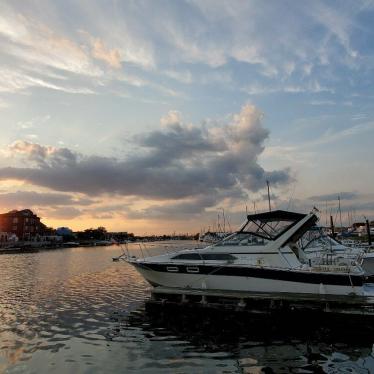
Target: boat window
x,y
217,256
271,225
204,256
187,256
268,229
172,269
192,269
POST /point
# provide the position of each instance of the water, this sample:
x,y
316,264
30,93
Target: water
x,y
76,311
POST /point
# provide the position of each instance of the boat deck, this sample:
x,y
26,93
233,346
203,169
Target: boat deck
x,y
261,302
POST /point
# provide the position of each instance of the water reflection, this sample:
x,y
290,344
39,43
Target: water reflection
x,y
257,344
75,310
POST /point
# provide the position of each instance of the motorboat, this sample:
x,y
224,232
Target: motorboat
x,y
213,237
263,256
316,243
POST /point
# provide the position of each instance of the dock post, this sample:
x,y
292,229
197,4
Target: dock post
x,y
242,303
327,307
322,290
332,227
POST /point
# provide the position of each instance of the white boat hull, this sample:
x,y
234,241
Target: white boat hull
x,y
245,284
368,263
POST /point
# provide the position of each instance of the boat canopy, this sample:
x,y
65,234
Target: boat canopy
x,y
271,225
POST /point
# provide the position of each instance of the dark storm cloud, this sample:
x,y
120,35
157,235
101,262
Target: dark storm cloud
x,y
178,142
179,161
44,156
31,198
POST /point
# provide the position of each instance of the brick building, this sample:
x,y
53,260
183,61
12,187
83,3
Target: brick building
x,y
23,223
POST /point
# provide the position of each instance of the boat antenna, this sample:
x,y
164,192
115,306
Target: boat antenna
x,y
267,182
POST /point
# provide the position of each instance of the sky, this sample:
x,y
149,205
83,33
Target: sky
x,y
160,116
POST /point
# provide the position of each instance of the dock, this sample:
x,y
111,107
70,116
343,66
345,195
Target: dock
x,y
260,303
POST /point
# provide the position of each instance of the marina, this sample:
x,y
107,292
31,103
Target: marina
x,y
186,187
78,311
265,266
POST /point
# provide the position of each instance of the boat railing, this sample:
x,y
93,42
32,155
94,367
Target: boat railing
x,y
141,251
333,268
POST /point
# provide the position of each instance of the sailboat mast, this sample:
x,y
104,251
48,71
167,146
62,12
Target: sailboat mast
x,y
340,214
267,182
224,220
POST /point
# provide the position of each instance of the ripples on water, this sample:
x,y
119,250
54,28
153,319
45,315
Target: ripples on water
x,y
76,311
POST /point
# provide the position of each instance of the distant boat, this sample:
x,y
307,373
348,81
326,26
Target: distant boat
x,y
71,244
213,237
103,243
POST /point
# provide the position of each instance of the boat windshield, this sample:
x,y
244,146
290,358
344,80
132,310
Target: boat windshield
x,y
271,225
243,238
316,237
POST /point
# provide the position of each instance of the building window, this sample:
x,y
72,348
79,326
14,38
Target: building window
x,y
14,228
26,219
15,220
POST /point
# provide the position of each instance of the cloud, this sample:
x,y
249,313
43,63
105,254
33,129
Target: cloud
x,y
311,86
180,76
189,42
66,212
25,125
31,40
177,210
177,162
332,136
13,80
23,199
338,24
3,104
44,156
110,56
173,117
323,102
334,196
